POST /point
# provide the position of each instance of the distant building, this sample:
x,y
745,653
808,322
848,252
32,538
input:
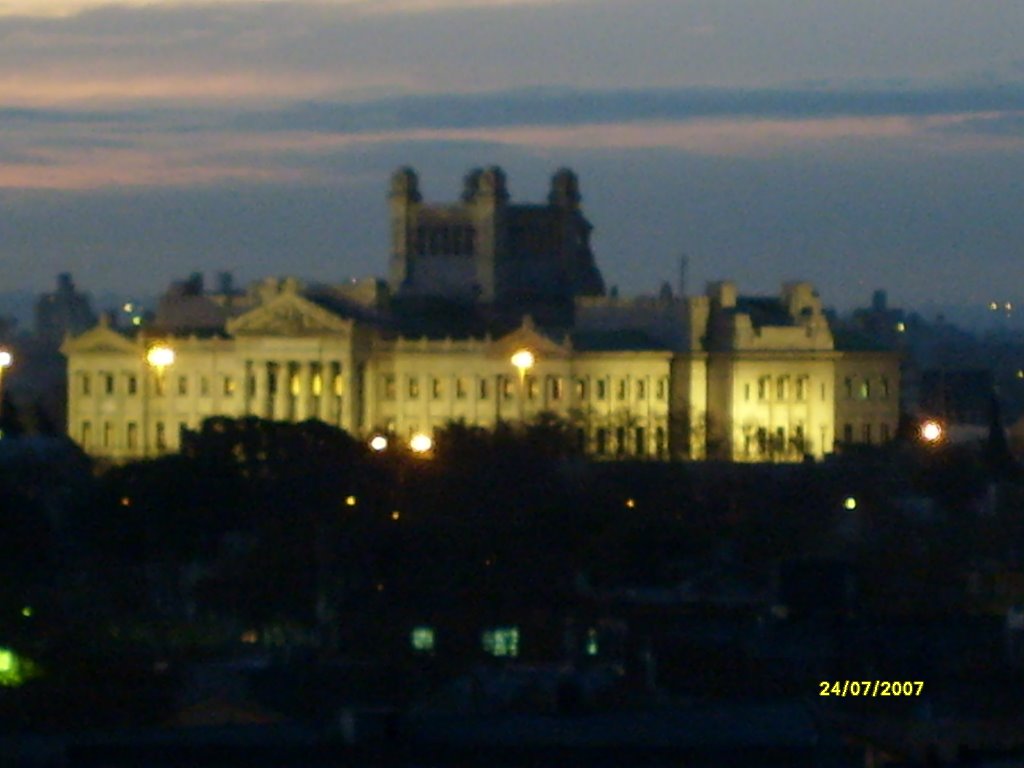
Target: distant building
x,y
716,376
63,311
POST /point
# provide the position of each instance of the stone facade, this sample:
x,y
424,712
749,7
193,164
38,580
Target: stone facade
x,y
715,376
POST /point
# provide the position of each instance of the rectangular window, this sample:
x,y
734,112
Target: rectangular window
x,y
531,387
623,389
108,383
86,433
556,388
801,388
762,440
316,383
659,440
883,388
867,433
620,440
183,385
161,436
746,392
460,388
641,390
601,384
864,390
337,380
414,388
602,440
229,386
86,384
132,436
848,387
131,384
662,389
798,438
204,386
294,384
581,389
435,388
762,388
388,388
483,389
250,385
641,442
782,388
506,387
848,433
108,434
780,440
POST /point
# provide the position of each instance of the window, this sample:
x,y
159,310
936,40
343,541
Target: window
x,y
229,386
501,641
108,434
108,383
483,389
131,384
601,385
864,390
294,383
86,433
250,385
662,389
848,387
337,380
422,639
620,440
780,440
556,387
460,388
801,388
531,387
414,388
623,389
641,442
641,390
798,438
746,392
86,385
762,388
762,440
659,440
848,433
581,389
506,387
602,440
388,386
867,433
883,388
132,436
183,385
161,436
782,388
435,388
204,386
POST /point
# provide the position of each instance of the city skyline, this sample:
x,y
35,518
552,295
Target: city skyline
x,y
873,146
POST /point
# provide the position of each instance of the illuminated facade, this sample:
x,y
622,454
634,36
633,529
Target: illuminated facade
x,y
713,376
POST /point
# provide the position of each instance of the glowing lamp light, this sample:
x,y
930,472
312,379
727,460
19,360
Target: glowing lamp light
x,y
379,443
523,360
350,501
931,431
160,356
421,443
849,503
6,358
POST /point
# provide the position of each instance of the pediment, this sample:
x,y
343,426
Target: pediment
x,y
289,314
99,339
526,336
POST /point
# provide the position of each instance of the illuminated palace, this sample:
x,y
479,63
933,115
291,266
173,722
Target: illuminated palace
x,y
492,312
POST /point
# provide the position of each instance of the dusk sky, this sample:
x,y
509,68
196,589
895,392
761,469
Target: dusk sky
x,y
855,144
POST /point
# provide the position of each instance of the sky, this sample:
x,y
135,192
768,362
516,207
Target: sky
x,y
858,145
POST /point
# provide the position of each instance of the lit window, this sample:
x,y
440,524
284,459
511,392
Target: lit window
x,y
414,388
502,642
864,390
801,388
581,389
422,639
183,385
338,382
592,645
229,386
294,384
388,388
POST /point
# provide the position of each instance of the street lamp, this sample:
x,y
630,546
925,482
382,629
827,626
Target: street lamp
x,y
931,431
421,443
158,357
5,361
378,443
523,360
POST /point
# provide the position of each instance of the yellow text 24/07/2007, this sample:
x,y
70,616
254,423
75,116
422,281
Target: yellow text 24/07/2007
x,y
874,688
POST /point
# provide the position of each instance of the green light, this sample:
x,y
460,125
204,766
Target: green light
x,y
850,503
27,611
501,641
592,648
15,670
423,640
